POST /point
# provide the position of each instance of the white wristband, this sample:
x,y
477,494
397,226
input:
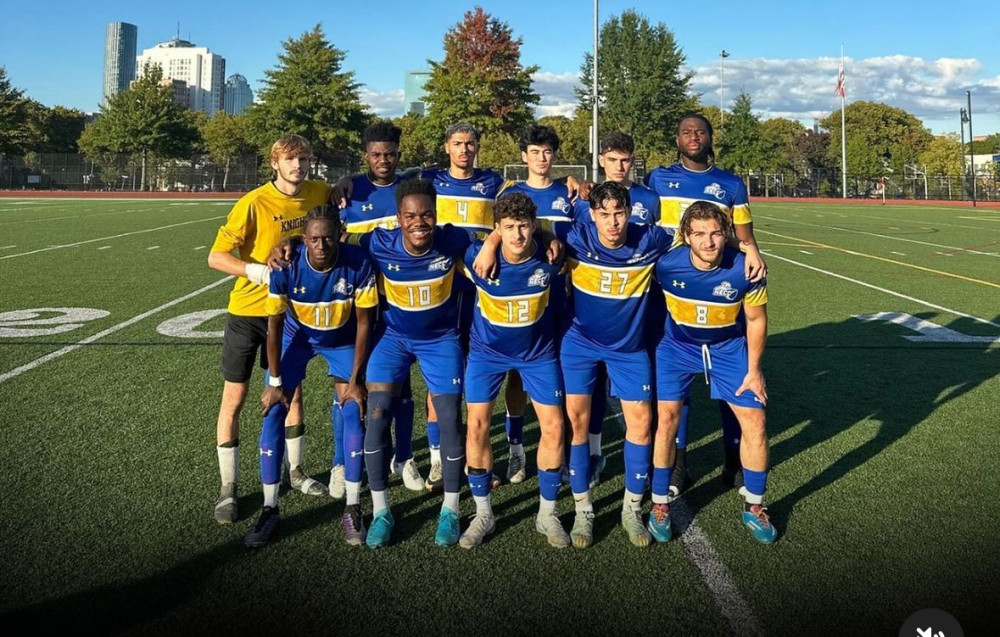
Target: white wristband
x,y
258,273
274,381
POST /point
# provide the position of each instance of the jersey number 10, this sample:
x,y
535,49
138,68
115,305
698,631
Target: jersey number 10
x,y
420,295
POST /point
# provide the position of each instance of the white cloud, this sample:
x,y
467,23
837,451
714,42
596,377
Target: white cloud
x,y
385,103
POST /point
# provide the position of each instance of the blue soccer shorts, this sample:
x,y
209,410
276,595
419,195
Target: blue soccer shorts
x,y
296,352
724,363
484,374
441,361
630,372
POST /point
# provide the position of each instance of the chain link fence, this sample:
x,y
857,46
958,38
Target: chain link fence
x,y
827,183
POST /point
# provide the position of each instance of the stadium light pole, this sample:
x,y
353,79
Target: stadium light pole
x,y
962,119
722,89
972,156
594,150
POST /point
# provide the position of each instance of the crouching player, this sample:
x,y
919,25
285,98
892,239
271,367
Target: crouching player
x,y
716,324
513,329
321,304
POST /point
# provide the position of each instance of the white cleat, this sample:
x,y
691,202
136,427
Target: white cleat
x,y
516,468
550,526
302,482
479,528
412,479
338,488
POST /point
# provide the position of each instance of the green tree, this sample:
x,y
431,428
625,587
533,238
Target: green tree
x,y
641,86
779,136
873,129
52,130
13,116
145,121
943,156
574,137
309,93
481,81
745,148
226,137
498,150
416,148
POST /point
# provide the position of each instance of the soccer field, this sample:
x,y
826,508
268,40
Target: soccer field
x,y
882,368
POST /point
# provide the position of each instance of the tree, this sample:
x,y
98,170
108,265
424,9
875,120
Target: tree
x,y
499,149
943,156
779,136
873,129
641,86
52,130
226,137
143,120
574,137
13,115
309,94
745,149
415,147
481,80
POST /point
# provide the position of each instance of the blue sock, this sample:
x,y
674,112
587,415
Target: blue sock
x,y
661,481
636,466
514,425
682,426
755,482
272,444
338,433
480,483
403,419
731,432
433,434
354,441
579,467
548,484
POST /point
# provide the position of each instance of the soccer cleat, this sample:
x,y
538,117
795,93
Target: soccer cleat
x,y
265,528
435,478
225,505
632,523
596,467
337,485
516,470
299,481
659,523
408,470
354,525
679,483
380,530
582,533
549,525
756,519
479,528
448,529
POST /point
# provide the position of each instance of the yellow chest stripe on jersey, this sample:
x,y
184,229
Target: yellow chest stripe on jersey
x,y
415,296
705,314
611,282
325,316
672,209
468,212
364,227
513,311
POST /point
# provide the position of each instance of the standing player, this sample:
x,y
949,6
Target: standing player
x,y
716,325
611,264
514,329
693,178
320,305
257,222
372,204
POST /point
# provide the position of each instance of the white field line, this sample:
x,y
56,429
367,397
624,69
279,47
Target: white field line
x,y
83,216
27,367
917,221
934,306
885,236
717,577
117,236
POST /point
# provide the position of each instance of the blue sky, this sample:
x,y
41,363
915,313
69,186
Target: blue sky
x,y
912,54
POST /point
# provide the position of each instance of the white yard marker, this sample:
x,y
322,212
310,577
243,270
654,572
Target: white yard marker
x,y
8,247
201,247
805,252
153,248
104,248
902,254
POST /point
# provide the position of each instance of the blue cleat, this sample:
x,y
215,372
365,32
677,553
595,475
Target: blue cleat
x,y
448,530
756,519
659,523
380,529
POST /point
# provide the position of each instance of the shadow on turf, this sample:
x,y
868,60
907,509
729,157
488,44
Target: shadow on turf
x,y
831,390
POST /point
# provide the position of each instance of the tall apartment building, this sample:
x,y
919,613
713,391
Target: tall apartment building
x,y
239,95
204,72
413,91
119,58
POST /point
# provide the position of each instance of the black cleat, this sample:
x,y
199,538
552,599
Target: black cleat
x,y
265,528
732,469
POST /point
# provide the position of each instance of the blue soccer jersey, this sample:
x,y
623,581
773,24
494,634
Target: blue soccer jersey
x,y
416,291
679,187
370,206
610,286
645,206
513,316
553,201
321,304
706,306
467,203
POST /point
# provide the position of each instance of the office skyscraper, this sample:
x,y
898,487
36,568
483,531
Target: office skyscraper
x,y
239,95
119,57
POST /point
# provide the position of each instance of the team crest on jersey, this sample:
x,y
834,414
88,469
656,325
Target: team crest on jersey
x,y
343,287
561,205
637,257
639,210
440,264
726,291
479,187
715,190
539,278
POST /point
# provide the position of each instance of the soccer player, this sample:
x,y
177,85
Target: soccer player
x,y
514,328
716,325
321,304
693,178
257,222
611,264
372,204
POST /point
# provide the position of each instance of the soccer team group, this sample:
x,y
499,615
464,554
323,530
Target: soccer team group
x,y
570,292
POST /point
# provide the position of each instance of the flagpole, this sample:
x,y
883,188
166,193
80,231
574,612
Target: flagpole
x,y
843,129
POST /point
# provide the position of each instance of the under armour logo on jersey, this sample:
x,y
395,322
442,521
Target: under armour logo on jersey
x,y
677,284
715,190
645,388
493,281
367,206
301,290
266,452
456,381
277,218
673,184
559,393
392,267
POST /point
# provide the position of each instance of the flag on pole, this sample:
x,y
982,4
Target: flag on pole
x,y
840,81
